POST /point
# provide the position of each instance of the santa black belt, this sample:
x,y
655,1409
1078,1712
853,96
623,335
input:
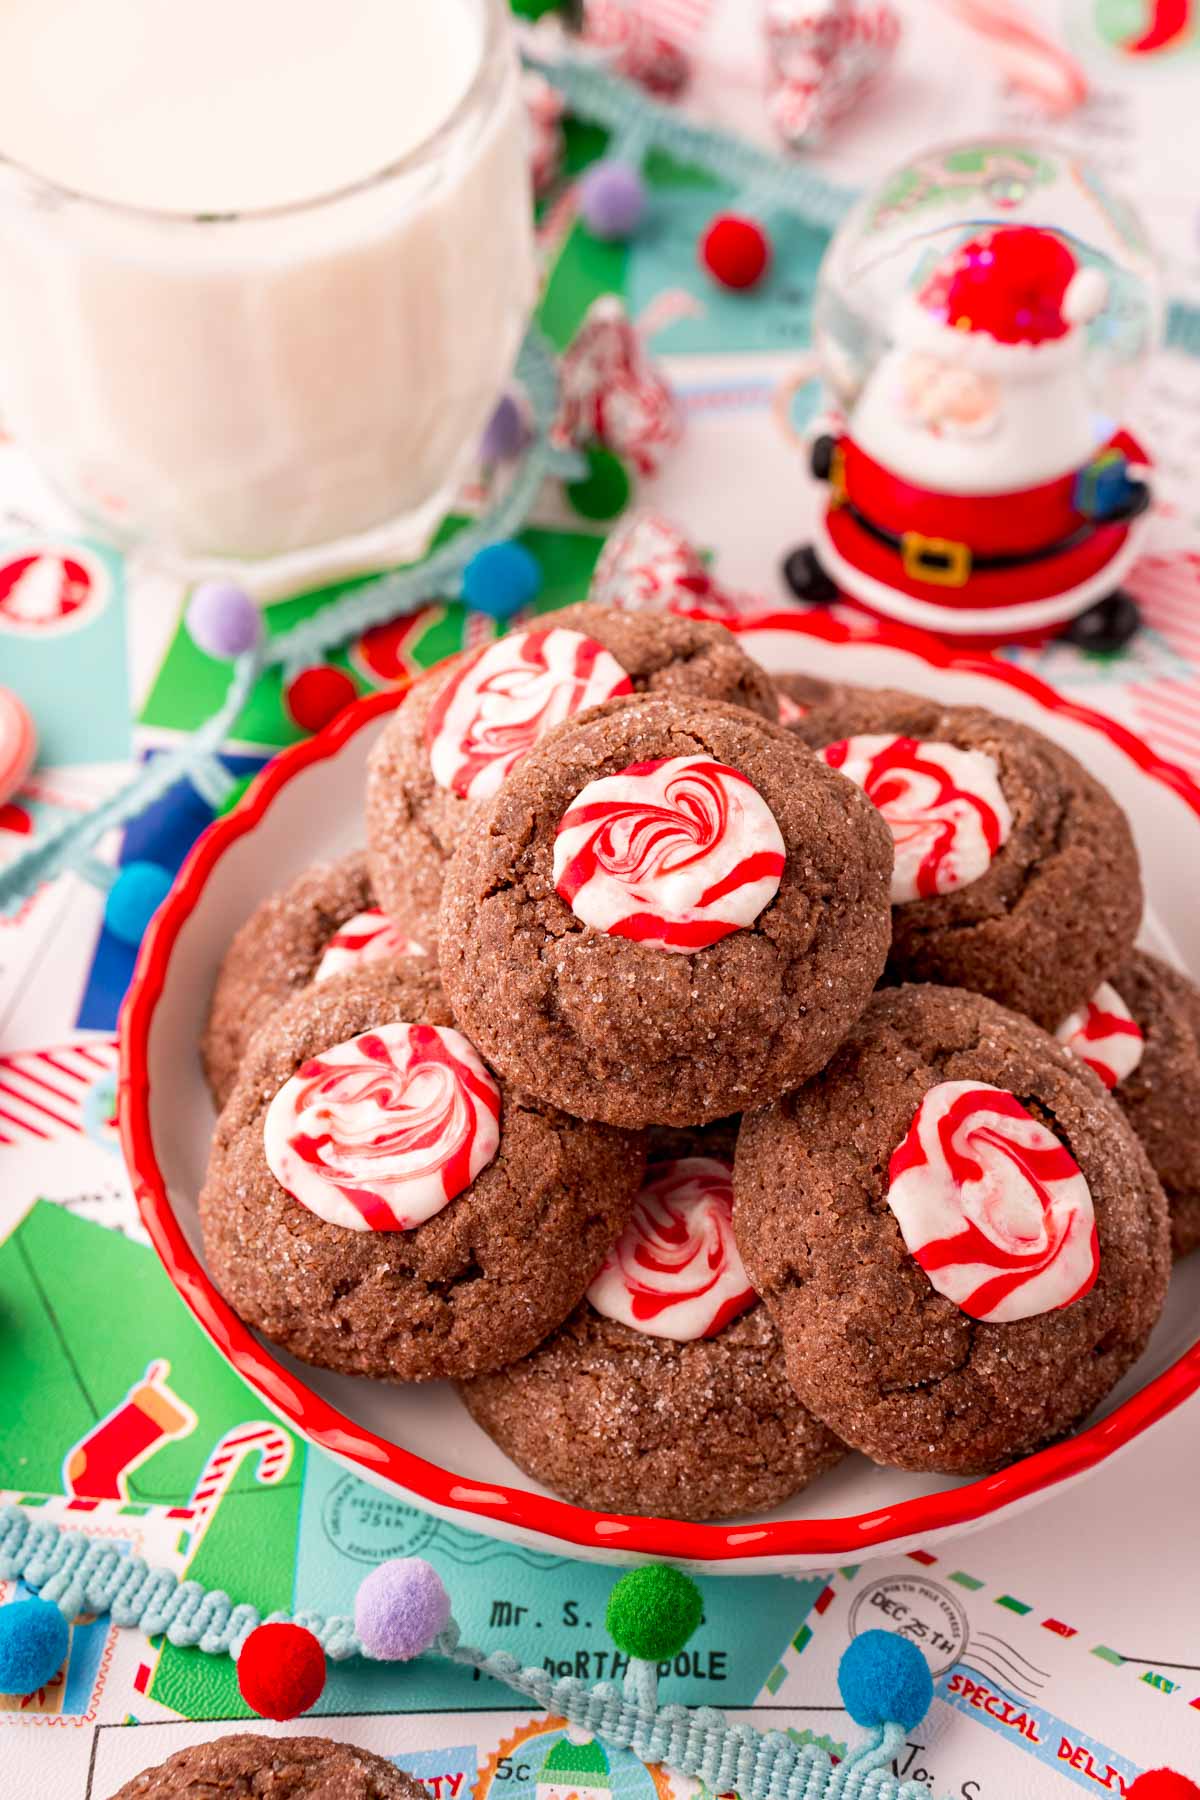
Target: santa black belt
x,y
947,563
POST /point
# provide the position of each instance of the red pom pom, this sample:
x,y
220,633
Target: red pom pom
x,y
319,695
1163,1784
281,1671
735,251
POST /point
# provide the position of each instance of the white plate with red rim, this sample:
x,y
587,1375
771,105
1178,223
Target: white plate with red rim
x,y
417,1442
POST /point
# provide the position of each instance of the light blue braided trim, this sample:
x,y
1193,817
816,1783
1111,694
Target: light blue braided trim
x,y
80,1575
639,123
306,643
700,1741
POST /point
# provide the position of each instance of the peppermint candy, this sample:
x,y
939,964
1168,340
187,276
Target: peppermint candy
x,y
945,807
382,1132
610,391
637,49
824,56
993,1207
508,696
674,854
1105,1035
648,565
675,1271
368,937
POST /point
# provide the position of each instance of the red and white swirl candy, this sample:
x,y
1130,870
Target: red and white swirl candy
x,y
1105,1035
380,1133
367,937
675,853
610,390
994,1208
507,696
945,807
675,1271
648,565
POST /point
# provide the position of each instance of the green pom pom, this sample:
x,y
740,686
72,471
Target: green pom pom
x,y
604,491
652,1612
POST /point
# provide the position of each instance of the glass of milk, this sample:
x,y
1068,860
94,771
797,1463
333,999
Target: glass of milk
x,y
266,263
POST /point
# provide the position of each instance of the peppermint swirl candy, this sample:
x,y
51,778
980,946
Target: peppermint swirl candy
x,y
1105,1035
945,807
675,853
507,696
675,1271
368,937
380,1133
994,1208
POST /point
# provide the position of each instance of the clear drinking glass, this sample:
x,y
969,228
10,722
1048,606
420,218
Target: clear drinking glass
x,y
243,386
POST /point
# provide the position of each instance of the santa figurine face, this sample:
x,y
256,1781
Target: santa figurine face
x,y
947,399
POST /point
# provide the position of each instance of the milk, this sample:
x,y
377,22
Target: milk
x,y
266,262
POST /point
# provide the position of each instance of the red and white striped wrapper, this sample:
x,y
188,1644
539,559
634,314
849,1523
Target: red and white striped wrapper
x,y
507,696
611,393
649,565
18,744
644,39
1105,1035
824,55
945,807
368,937
382,1132
675,1271
993,1207
673,854
544,107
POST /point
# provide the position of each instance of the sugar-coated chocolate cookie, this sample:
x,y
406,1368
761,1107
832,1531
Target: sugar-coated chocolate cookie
x,y
1016,873
671,910
378,1203
665,1391
324,923
957,1232
272,1768
460,731
813,705
1140,1033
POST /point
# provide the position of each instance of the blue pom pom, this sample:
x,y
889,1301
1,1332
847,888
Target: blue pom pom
x,y
500,579
885,1678
612,199
33,1645
222,620
134,898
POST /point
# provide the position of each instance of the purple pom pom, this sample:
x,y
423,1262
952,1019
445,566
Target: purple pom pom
x,y
506,435
612,199
400,1609
222,620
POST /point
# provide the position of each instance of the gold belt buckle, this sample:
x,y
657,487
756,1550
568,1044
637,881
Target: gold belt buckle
x,y
940,561
837,478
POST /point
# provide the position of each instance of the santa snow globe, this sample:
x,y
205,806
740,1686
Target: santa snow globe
x,y
981,319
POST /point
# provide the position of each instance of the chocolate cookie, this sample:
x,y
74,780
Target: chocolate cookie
x,y
271,1768
665,1390
377,1203
1016,872
323,923
672,910
924,1220
1140,1033
461,731
813,706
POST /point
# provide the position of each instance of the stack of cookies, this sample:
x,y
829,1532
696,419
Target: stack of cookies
x,y
709,1075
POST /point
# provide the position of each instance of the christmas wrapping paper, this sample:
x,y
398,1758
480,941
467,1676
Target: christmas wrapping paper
x,y
1054,1669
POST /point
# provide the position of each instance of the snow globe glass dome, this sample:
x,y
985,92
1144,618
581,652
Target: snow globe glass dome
x,y
898,234
981,320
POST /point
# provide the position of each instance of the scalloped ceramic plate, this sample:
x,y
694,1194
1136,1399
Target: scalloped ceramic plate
x,y
418,1442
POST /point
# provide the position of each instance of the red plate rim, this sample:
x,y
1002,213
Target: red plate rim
x,y
473,1501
